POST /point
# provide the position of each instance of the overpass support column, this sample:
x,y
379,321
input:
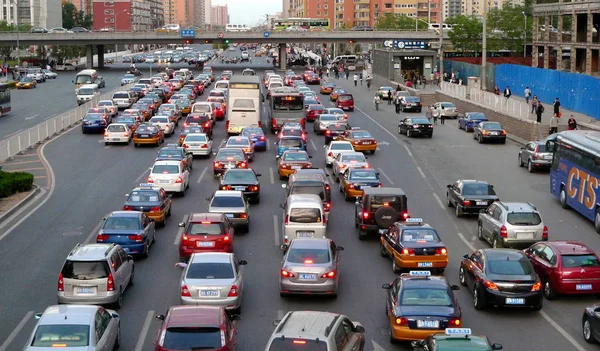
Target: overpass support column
x,y
89,56
282,56
100,56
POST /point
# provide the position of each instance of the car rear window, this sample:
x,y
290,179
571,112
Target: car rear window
x,y
425,297
341,146
345,97
391,201
577,261
293,344
115,128
122,223
238,142
85,270
121,96
205,229
61,335
210,270
524,218
201,108
227,201
420,235
313,189
199,138
305,215
192,338
165,169
316,256
290,143
477,189
541,148
510,267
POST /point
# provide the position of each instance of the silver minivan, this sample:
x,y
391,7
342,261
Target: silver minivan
x,y
304,217
511,224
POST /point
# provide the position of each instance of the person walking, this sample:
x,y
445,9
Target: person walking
x,y
369,80
554,124
376,101
389,97
442,119
534,103
355,79
572,123
327,72
434,116
539,110
347,72
397,104
361,78
527,94
507,92
556,105
398,88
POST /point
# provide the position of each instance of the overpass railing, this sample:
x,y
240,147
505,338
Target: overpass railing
x,y
36,135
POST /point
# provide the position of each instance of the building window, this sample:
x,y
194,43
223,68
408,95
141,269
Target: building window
x,y
388,5
109,12
325,7
318,6
318,13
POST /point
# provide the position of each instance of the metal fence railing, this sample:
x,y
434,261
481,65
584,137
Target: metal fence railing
x,y
510,107
36,135
455,90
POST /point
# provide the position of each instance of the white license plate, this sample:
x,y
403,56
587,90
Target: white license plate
x,y
481,203
525,235
239,188
366,142
209,293
228,166
583,287
515,301
85,290
205,243
305,234
547,157
164,182
428,324
229,215
306,276
115,139
145,136
425,264
296,167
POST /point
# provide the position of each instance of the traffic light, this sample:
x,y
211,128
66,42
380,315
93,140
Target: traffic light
x,y
226,41
351,41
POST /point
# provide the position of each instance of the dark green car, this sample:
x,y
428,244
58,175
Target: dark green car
x,y
455,339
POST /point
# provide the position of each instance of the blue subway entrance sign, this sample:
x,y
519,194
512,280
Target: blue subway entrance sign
x,y
266,34
405,44
188,33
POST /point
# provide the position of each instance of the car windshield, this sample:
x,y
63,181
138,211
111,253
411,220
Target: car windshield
x,y
61,335
491,125
200,138
295,156
93,116
509,267
192,338
290,143
363,175
477,190
165,169
85,91
425,297
523,218
159,120
305,215
420,120
85,270
420,235
121,223
227,201
116,128
353,158
210,270
143,196
205,228
341,147
361,135
238,142
230,155
233,176
170,153
310,256
297,344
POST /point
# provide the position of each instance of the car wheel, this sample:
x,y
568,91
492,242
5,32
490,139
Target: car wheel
x,y
548,291
478,302
479,231
587,331
458,212
563,198
497,244
165,221
395,267
118,341
399,130
146,250
408,133
462,279
448,202
520,162
106,143
132,278
480,139
382,251
530,168
597,221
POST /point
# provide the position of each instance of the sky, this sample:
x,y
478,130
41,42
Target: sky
x,y
248,11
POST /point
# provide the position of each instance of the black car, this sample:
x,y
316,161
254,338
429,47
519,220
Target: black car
x,y
489,131
334,130
244,180
470,196
413,126
501,278
410,103
590,323
173,152
378,209
228,158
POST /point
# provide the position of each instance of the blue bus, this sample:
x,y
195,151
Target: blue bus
x,y
575,172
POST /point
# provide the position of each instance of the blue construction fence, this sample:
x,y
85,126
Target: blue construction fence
x,y
577,92
467,70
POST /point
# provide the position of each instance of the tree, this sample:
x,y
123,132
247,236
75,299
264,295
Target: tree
x,y
400,22
69,12
63,52
466,33
6,51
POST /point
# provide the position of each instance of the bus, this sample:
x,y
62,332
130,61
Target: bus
x,y
236,28
244,103
285,105
575,172
311,24
4,99
436,26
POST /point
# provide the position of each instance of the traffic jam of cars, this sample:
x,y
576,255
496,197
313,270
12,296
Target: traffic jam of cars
x,y
521,268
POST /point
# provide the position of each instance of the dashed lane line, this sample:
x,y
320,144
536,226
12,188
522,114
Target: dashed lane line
x,y
276,230
142,338
421,172
271,175
16,331
439,201
202,175
314,146
389,180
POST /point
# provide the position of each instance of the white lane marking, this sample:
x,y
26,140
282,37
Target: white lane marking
x,y
408,150
180,231
312,143
562,331
16,331
140,343
202,175
143,175
376,346
11,134
439,201
385,176
280,314
271,176
268,145
93,233
377,123
18,215
421,171
32,117
276,230
467,242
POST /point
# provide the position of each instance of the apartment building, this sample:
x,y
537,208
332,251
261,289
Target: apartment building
x,y
122,15
37,13
219,16
179,12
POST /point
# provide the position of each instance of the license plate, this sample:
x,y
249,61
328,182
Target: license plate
x,y
481,203
205,243
515,301
428,324
296,167
209,293
524,235
145,136
366,142
583,287
164,182
85,290
547,157
494,133
229,215
239,188
115,139
305,234
228,166
306,276
425,264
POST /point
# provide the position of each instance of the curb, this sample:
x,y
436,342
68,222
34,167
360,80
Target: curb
x,y
7,214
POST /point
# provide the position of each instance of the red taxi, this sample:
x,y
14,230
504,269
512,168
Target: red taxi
x,y
313,111
205,232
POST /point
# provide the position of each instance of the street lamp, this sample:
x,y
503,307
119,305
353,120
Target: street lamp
x,y
524,35
115,22
482,81
14,2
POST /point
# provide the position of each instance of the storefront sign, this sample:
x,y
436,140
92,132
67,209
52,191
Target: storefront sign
x,y
404,44
411,57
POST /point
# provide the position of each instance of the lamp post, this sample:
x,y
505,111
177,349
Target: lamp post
x,y
441,52
15,2
525,35
482,81
115,22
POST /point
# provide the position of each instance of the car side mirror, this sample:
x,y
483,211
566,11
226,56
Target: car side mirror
x,y
277,157
282,206
103,218
258,174
417,343
160,317
208,199
496,346
340,248
284,186
242,262
465,256
387,286
522,148
359,329
448,186
181,224
455,287
129,258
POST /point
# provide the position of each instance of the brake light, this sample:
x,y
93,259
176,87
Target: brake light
x,y
366,214
243,215
490,285
327,206
536,287
454,322
379,185
155,209
217,165
61,283
287,219
186,146
110,283
401,321
185,292
225,187
262,138
138,238
405,215
243,165
179,180
330,154
545,233
126,134
260,125
329,275
254,188
127,208
503,132
441,251
287,274
101,238
247,150
150,180
409,252
184,240
351,186
233,292
345,116
503,232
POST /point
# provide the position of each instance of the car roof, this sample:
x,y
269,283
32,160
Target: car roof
x,y
228,193
305,324
503,254
565,247
519,207
310,243
352,153
433,281
304,200
68,314
206,257
384,191
206,216
454,343
167,162
195,315
474,181
90,252
133,214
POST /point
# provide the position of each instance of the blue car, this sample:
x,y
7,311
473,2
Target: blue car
x,y
470,120
94,123
290,143
133,230
257,136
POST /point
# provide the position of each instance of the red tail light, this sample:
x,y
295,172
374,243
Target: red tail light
x,y
185,292
401,321
226,238
150,180
106,134
138,238
110,283
405,215
61,283
351,186
155,209
328,133
243,165
125,134
287,274
262,138
287,219
545,233
184,240
329,275
205,125
186,146
254,188
179,180
204,146
379,185
101,238
243,215
330,154
441,251
409,252
503,232
217,165
503,132
233,292
225,187
454,322
127,208
273,122
366,214
260,125
466,203
186,124
327,206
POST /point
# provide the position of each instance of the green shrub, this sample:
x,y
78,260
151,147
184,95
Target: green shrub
x,y
15,182
12,84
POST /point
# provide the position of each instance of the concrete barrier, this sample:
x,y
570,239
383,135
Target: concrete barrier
x,y
119,55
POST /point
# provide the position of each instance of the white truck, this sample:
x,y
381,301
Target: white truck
x,y
244,105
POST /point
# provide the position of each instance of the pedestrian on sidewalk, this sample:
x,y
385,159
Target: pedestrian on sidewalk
x,y
361,78
435,116
355,79
347,73
534,103
556,106
496,90
507,93
442,118
389,97
554,124
538,111
572,123
397,104
527,94
369,80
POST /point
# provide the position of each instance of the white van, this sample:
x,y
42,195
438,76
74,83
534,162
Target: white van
x,y
202,107
88,76
86,93
350,58
222,84
304,217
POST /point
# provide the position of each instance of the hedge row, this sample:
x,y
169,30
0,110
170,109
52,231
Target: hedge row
x,y
15,182
12,84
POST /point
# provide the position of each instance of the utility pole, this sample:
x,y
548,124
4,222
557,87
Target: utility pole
x,y
441,51
483,77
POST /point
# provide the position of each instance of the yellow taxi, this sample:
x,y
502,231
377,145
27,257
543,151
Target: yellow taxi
x,y
185,105
208,70
26,83
144,108
361,140
150,199
148,134
219,99
414,245
354,179
327,88
292,160
336,93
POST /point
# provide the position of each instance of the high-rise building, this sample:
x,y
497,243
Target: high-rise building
x,y
179,12
205,13
36,13
83,5
219,16
285,5
122,15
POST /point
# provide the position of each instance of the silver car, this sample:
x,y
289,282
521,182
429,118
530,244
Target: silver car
x,y
445,109
213,278
233,204
310,266
129,79
345,160
511,224
244,143
535,156
324,120
78,328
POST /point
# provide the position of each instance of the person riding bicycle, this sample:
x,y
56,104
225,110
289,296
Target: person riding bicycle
x,y
377,101
132,67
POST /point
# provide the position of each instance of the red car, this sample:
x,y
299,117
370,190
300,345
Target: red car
x,y
203,120
218,110
565,267
345,102
207,328
313,111
205,232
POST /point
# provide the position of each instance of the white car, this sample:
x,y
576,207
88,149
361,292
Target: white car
x,y
164,123
446,109
346,160
109,107
66,67
240,142
198,144
49,74
117,133
172,176
334,148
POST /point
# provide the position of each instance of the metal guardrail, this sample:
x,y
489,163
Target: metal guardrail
x,y
51,127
